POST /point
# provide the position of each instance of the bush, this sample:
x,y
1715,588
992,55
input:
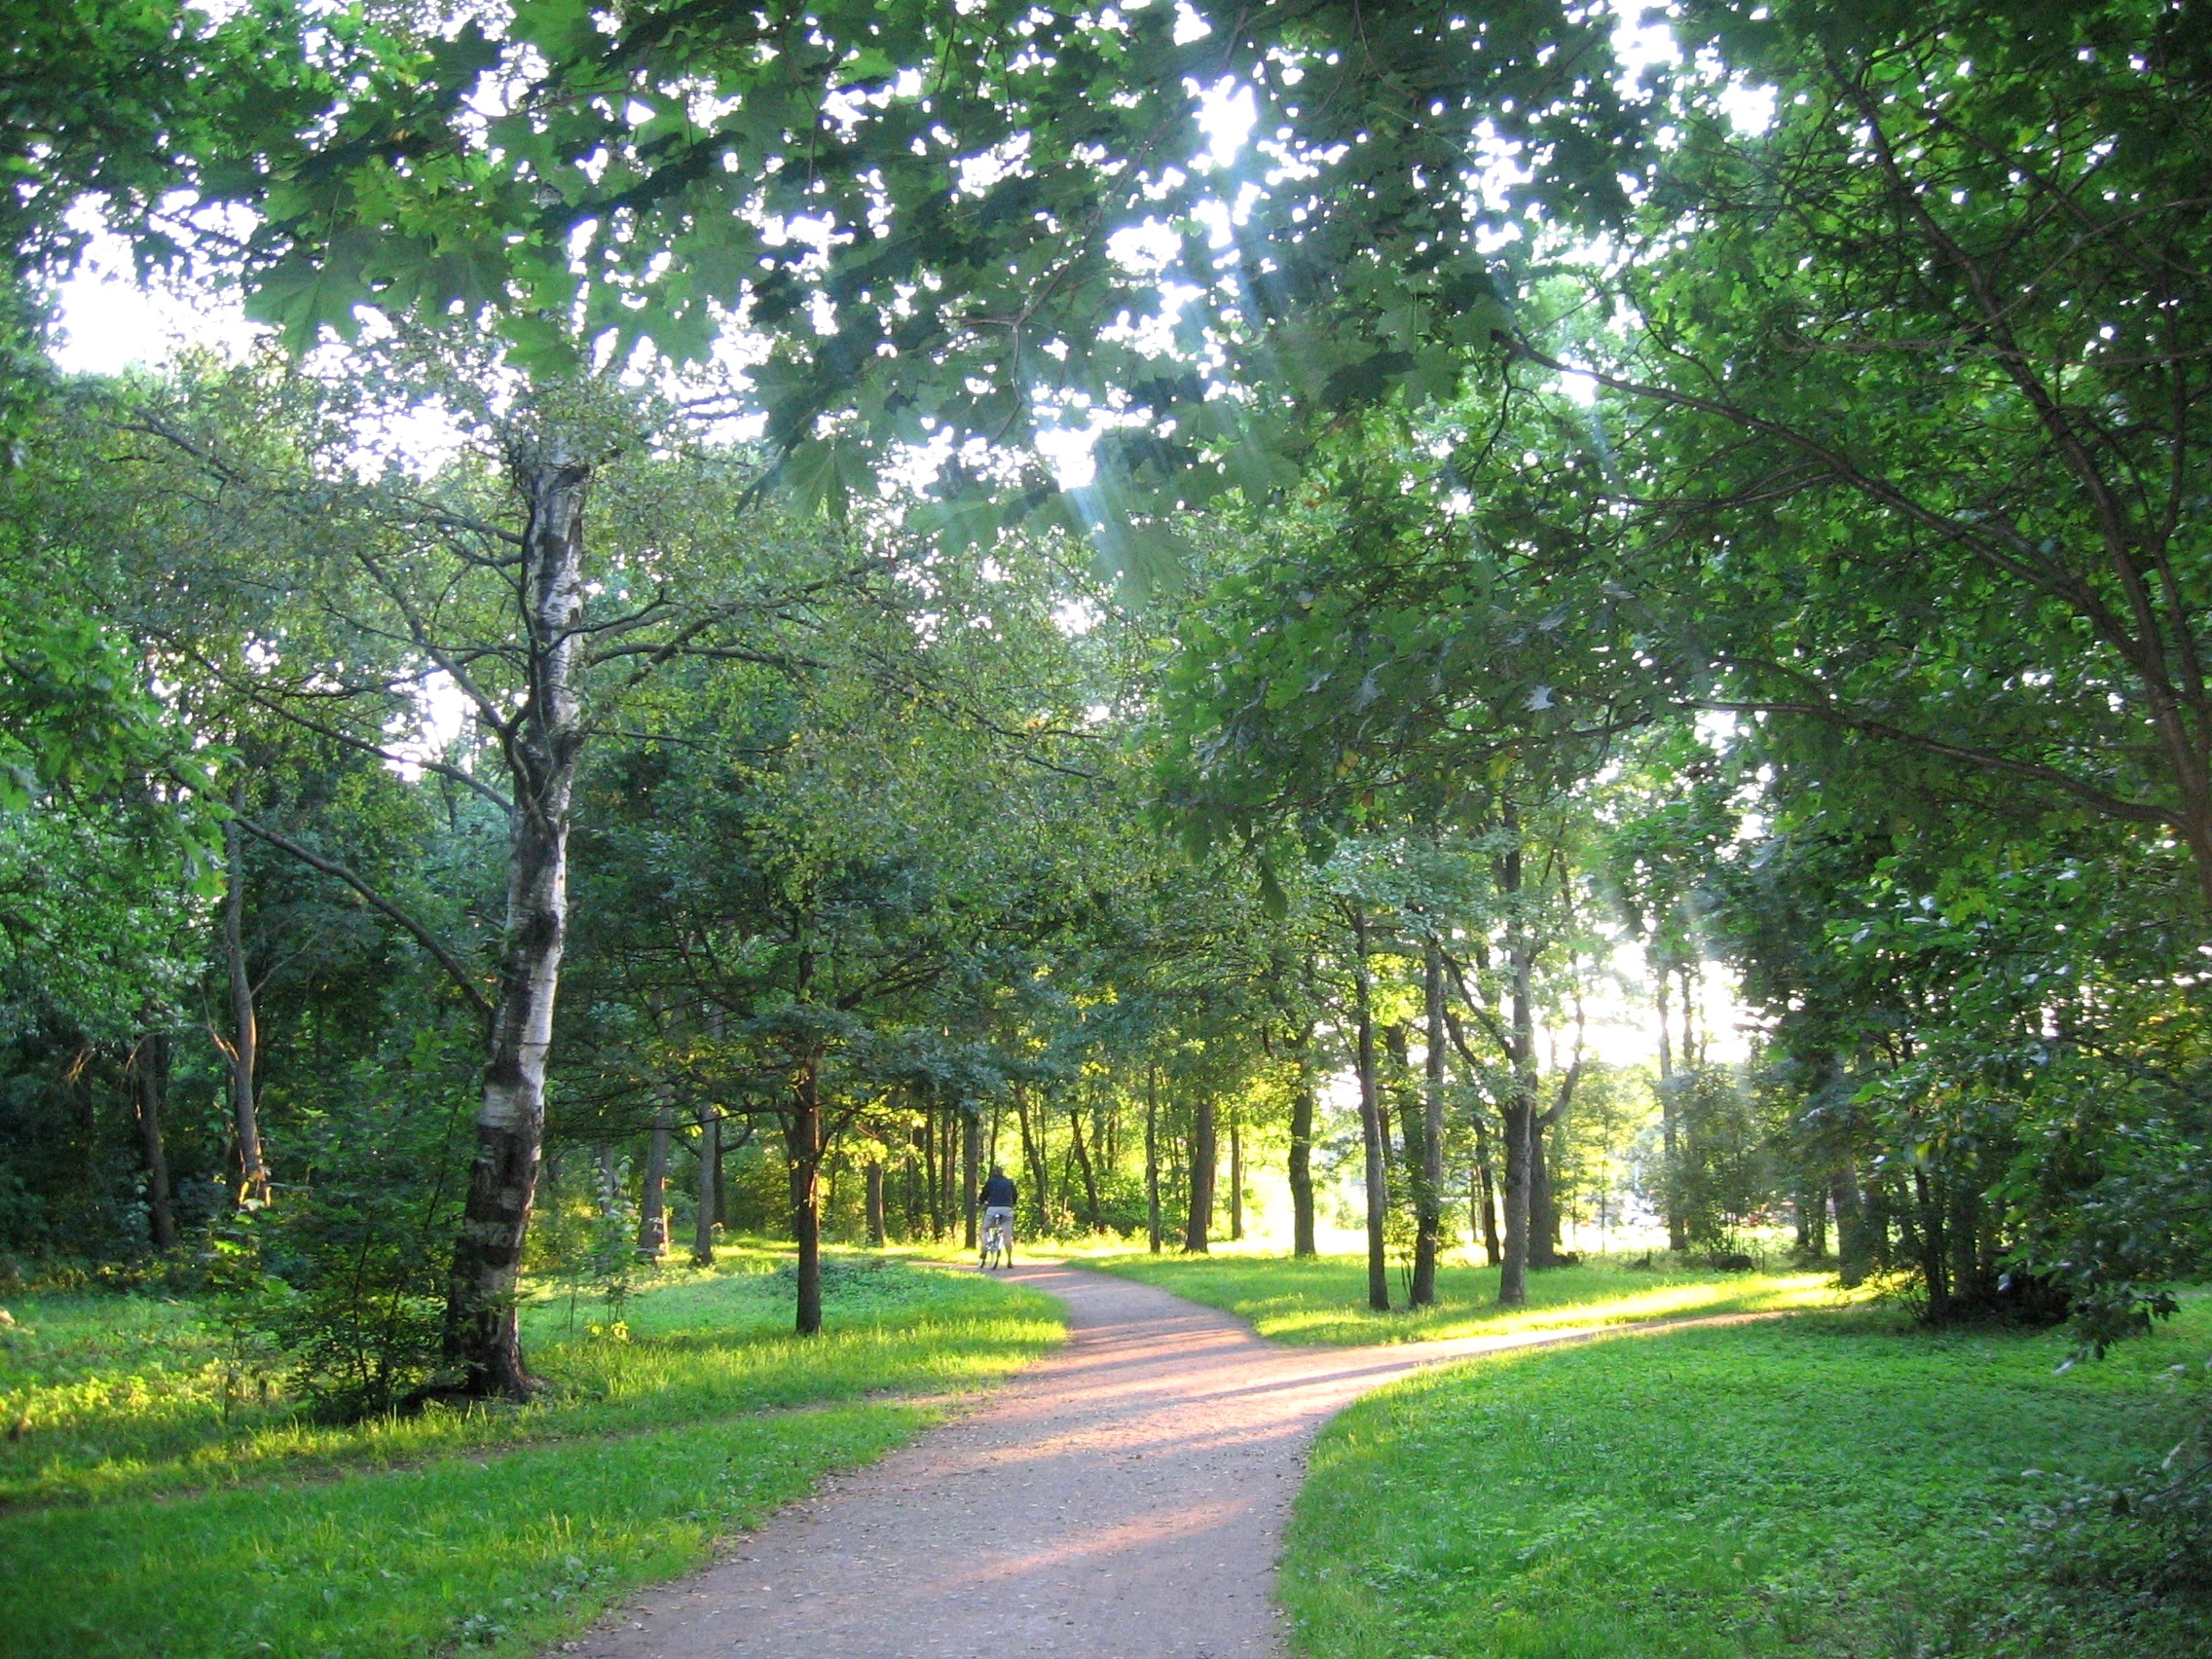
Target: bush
x,y
344,1273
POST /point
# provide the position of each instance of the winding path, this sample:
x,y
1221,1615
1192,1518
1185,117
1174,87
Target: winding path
x,y
1123,1498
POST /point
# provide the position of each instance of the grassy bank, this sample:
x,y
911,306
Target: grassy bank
x,y
1323,1299
1828,1485
185,1525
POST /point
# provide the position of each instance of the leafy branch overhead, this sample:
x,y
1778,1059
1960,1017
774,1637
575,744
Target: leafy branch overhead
x,y
959,225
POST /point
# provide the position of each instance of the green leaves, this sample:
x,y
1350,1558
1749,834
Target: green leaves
x,y
302,296
948,245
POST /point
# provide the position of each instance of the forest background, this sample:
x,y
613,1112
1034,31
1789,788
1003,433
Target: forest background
x,y
787,600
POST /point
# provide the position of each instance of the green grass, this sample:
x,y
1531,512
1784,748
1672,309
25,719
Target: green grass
x,y
1323,1299
1825,1485
125,1395
489,1530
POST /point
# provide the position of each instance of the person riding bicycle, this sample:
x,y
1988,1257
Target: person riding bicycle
x,y
997,1201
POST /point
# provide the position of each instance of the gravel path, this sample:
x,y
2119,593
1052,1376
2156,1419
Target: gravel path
x,y
1123,1498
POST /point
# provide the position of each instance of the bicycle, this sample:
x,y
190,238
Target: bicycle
x,y
996,1247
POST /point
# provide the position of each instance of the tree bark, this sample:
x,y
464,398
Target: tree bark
x,y
1485,1193
543,740
1854,1255
1428,1195
245,1028
149,1065
971,1179
1152,1155
1669,1120
1236,1176
1033,1155
1371,1123
803,1157
1302,1104
1543,1201
1092,1217
1933,1258
875,1236
652,1203
710,1164
721,1176
1198,1224
1520,1106
948,1167
935,1187
609,1183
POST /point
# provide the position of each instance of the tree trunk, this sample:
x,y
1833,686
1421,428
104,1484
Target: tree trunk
x,y
930,1178
149,1064
245,1028
1152,1155
1092,1217
1513,1272
1854,1252
1198,1224
1933,1258
1236,1176
1428,1195
1670,1122
971,1157
1812,1204
710,1162
1301,1155
1543,1202
721,1176
652,1204
543,740
802,1155
1371,1124
609,1183
875,1201
1485,1193
948,1167
1520,1110
1033,1155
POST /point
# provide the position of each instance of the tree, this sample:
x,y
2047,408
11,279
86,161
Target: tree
x,y
946,194
1918,377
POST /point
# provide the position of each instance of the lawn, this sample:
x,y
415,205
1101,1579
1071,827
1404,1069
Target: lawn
x,y
1323,1299
1833,1485
185,1526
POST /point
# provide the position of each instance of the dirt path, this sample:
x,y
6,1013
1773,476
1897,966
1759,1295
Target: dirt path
x,y
1123,1498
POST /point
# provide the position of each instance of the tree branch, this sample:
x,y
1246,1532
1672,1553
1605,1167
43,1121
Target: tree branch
x,y
378,902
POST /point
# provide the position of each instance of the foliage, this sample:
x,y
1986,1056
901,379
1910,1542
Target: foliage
x,y
1721,1179
353,1286
953,169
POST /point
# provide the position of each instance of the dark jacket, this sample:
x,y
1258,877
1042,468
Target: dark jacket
x,y
998,1193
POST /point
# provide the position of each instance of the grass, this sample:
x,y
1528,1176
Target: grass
x,y
184,1531
1323,1299
1826,1485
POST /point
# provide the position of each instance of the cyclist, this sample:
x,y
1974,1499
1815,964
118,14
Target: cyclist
x,y
997,1201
